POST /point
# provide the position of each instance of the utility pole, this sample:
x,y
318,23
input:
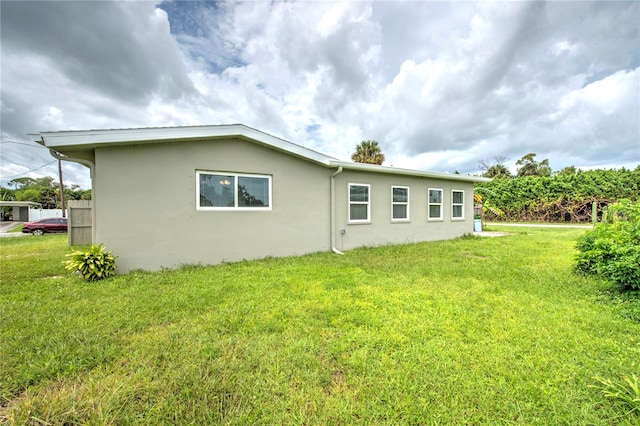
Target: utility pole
x,y
64,210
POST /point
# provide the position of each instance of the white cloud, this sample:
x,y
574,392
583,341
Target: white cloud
x,y
440,85
598,120
610,94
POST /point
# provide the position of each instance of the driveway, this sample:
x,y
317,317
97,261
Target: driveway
x,y
7,226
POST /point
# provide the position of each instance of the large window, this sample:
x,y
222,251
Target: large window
x,y
359,203
230,191
457,205
435,204
399,204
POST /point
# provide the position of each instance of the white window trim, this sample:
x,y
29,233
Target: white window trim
x,y
349,203
235,192
457,204
441,204
408,204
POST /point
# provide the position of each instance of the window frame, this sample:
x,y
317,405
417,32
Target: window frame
x,y
367,203
441,204
454,204
401,203
236,177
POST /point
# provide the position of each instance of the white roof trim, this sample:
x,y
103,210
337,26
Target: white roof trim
x,y
373,168
90,139
68,141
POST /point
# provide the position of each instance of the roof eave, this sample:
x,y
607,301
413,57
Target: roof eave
x,y
35,137
92,139
372,168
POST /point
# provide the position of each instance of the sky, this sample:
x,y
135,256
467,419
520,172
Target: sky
x,y
440,85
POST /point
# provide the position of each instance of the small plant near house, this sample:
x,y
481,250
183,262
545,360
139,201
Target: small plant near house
x,y
94,264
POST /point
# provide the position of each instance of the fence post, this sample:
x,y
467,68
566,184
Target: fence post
x,y
594,213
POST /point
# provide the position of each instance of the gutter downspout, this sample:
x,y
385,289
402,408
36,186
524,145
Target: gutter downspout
x,y
63,157
333,211
91,167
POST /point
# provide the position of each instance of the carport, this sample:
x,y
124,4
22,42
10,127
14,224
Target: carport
x,y
19,211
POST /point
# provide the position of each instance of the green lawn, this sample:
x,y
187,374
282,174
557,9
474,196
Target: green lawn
x,y
470,331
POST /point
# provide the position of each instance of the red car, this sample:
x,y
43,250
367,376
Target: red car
x,y
56,224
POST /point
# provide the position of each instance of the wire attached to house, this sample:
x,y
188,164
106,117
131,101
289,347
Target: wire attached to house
x,y
23,143
28,171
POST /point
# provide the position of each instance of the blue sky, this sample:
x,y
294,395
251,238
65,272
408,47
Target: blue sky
x,y
441,85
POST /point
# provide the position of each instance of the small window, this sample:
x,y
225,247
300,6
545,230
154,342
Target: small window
x,y
435,204
399,204
457,205
227,191
359,205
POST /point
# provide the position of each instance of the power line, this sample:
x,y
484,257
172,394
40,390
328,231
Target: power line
x,y
23,143
28,171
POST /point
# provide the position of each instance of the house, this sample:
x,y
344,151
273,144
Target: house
x,y
165,197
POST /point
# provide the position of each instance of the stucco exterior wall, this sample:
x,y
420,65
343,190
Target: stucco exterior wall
x,y
381,230
146,207
160,180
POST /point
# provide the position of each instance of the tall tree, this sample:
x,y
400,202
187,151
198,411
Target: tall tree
x,y
569,170
22,182
528,166
44,190
497,169
368,152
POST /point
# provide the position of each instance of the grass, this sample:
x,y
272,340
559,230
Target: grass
x,y
470,331
626,391
16,229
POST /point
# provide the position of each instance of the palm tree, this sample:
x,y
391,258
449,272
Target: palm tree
x,y
368,152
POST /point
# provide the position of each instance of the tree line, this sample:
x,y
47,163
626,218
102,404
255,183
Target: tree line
x,y
44,190
535,193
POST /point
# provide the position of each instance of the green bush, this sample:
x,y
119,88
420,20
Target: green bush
x,y
94,264
612,248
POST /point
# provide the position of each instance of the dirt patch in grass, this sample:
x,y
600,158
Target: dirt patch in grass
x,y
491,234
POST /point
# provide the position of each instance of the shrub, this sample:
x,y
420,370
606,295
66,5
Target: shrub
x,y
94,264
612,248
